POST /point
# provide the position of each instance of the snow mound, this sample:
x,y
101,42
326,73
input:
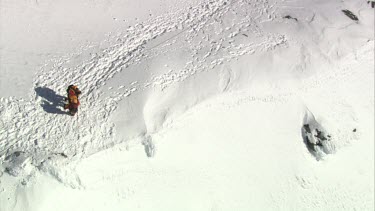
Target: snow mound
x,y
18,164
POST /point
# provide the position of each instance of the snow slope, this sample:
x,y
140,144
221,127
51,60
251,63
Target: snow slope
x,y
188,105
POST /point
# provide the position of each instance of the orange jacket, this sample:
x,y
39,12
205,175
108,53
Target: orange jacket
x,y
73,101
73,97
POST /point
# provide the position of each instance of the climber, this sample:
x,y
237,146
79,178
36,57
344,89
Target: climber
x,y
73,102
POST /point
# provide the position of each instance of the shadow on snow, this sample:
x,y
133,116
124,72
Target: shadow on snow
x,y
51,102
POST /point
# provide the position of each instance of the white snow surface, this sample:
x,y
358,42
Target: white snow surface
x,y
187,105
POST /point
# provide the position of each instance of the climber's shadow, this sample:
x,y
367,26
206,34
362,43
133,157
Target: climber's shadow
x,y
51,102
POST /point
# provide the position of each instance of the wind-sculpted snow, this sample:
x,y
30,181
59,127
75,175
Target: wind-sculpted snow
x,y
40,128
221,104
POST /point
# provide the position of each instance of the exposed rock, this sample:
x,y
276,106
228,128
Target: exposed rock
x,y
350,15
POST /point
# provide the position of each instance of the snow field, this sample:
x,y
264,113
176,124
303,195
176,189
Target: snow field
x,y
206,105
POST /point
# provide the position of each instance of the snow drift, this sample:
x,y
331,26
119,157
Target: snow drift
x,y
188,105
